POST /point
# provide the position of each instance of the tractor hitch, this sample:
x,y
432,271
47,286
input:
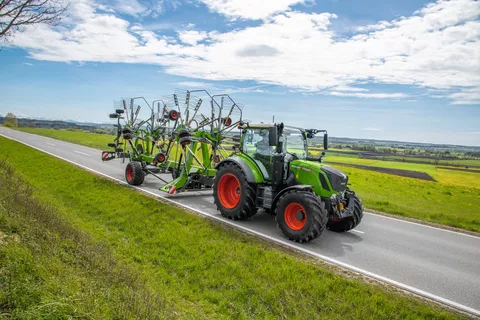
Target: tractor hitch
x,y
341,210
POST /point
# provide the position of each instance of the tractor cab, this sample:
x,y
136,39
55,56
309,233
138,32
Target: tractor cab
x,y
273,146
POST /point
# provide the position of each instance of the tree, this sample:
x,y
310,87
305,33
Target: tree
x,y
15,15
10,120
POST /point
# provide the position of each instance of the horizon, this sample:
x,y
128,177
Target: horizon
x,y
335,137
405,72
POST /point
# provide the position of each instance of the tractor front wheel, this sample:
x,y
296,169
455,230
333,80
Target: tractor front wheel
x,y
345,224
134,173
301,215
233,195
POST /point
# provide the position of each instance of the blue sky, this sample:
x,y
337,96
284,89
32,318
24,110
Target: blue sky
x,y
399,70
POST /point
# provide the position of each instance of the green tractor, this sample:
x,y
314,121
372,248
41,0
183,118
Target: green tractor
x,y
270,169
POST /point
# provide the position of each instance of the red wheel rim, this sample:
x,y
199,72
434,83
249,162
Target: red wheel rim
x,y
229,191
295,216
174,115
160,158
129,173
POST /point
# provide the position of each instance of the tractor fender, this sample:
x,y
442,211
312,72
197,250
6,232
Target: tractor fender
x,y
242,164
295,187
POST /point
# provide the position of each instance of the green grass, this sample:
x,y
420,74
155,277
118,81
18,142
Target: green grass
x,y
451,205
77,245
89,139
458,162
445,176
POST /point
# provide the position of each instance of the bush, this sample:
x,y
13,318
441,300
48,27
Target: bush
x,y
10,121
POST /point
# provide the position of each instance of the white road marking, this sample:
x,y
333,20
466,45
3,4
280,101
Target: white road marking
x,y
424,225
53,145
85,154
357,231
285,243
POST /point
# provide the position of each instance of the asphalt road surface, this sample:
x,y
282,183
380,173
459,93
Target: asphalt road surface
x,y
438,264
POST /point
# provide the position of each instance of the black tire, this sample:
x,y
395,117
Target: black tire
x,y
134,173
348,223
313,219
245,208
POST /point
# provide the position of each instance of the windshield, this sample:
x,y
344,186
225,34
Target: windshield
x,y
294,142
256,142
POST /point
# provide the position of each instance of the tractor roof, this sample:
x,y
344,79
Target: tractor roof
x,y
258,125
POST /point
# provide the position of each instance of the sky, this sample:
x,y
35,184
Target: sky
x,y
396,70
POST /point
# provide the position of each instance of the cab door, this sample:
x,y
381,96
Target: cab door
x,y
256,146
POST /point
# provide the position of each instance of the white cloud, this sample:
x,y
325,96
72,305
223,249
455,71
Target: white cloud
x,y
371,129
194,84
437,48
369,95
466,96
28,64
191,37
250,9
374,27
130,7
349,89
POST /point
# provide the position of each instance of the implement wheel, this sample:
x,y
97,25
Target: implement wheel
x,y
301,215
233,195
345,224
134,173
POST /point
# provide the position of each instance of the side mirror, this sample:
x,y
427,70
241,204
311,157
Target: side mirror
x,y
272,136
325,141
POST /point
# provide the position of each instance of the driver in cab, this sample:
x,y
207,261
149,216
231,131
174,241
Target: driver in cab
x,y
263,146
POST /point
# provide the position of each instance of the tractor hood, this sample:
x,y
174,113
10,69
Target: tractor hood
x,y
308,171
338,179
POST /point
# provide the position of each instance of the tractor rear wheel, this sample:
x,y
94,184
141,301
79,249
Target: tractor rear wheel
x,y
233,195
301,215
345,224
134,173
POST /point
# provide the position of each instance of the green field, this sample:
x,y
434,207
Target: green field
x,y
89,139
75,245
445,176
398,158
448,204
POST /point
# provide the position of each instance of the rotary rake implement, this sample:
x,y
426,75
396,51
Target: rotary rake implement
x,y
184,135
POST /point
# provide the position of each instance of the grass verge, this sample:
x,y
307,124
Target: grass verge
x,y
77,245
89,139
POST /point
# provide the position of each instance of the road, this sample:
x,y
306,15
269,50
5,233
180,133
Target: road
x,y
438,264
